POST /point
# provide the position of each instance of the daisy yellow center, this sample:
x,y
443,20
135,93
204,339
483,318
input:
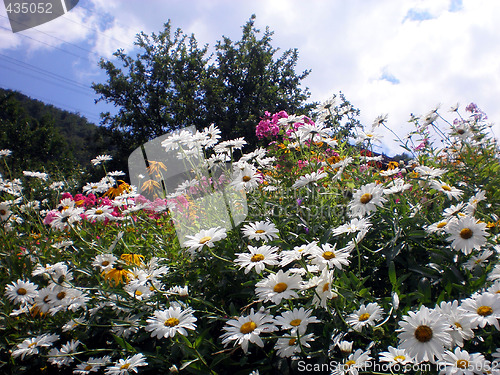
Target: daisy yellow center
x,y
399,358
205,239
365,198
364,317
466,233
246,178
247,327
461,131
458,325
61,295
22,291
3,212
292,342
88,368
462,363
65,208
280,287
350,363
99,212
485,310
125,366
423,333
260,231
105,263
442,224
326,287
328,255
446,188
32,344
295,322
257,258
138,293
171,322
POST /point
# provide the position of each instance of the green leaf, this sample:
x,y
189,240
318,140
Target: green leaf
x,y
124,344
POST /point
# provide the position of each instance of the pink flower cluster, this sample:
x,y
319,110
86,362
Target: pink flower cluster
x,y
268,125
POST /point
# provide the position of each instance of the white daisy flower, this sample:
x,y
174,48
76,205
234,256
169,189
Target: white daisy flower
x,y
167,323
450,191
5,152
69,216
127,366
296,320
395,356
312,133
30,346
327,256
324,290
466,234
204,238
41,175
21,292
247,178
100,213
429,172
460,362
356,225
368,136
101,158
278,286
62,357
95,187
482,309
289,256
257,258
366,199
260,230
308,178
5,212
454,210
479,260
287,346
345,347
437,227
247,329
395,186
355,363
424,334
104,261
91,365
366,316
212,136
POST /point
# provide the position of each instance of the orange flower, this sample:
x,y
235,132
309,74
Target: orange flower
x,y
117,275
115,191
136,259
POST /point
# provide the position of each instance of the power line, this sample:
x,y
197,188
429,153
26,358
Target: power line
x,y
52,82
43,71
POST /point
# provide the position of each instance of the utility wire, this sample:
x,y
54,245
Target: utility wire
x,y
43,71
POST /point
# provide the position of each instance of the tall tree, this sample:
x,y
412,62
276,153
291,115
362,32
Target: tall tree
x,y
173,83
246,80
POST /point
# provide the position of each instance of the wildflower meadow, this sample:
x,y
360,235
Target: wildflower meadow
x,y
314,254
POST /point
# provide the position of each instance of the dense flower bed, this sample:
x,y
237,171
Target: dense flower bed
x,y
344,263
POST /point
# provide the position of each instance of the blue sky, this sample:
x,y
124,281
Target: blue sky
x,y
393,57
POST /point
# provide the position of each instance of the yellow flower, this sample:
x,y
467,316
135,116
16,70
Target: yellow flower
x,y
156,167
392,165
117,275
136,259
115,191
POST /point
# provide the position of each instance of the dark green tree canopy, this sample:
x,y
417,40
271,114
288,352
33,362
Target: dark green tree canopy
x,y
172,83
